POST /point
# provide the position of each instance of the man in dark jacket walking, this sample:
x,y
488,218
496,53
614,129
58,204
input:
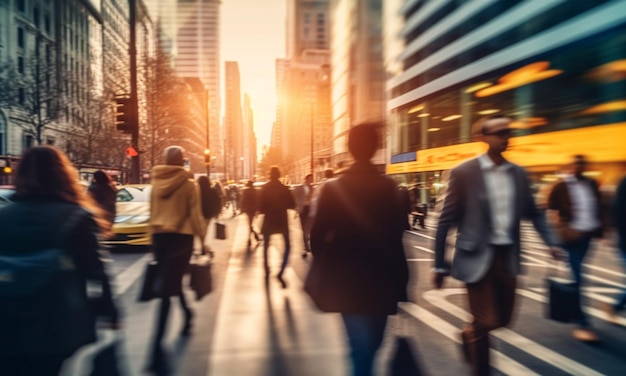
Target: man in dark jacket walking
x,y
275,200
358,231
576,201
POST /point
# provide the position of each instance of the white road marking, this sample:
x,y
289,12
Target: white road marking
x,y
125,279
500,361
438,299
423,249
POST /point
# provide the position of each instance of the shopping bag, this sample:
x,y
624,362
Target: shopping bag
x,y
403,361
151,283
200,279
220,230
563,300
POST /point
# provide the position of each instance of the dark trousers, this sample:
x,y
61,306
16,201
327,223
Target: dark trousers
x,y
266,244
365,335
32,365
172,252
577,250
491,302
250,216
305,223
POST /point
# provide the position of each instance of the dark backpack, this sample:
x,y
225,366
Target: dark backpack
x,y
44,300
211,203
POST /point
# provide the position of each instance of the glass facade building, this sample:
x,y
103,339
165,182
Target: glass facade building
x,y
558,68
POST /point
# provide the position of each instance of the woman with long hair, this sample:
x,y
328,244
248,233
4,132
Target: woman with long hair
x,y
104,192
50,213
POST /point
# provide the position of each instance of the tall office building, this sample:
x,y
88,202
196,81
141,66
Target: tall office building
x,y
233,124
557,71
197,55
188,30
358,92
303,110
249,139
308,26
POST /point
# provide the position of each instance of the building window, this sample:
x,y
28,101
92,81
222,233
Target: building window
x,y
20,64
49,140
36,17
21,96
3,130
29,140
21,5
20,37
46,22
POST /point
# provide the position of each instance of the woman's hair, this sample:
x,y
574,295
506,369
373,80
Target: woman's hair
x,y
45,173
102,178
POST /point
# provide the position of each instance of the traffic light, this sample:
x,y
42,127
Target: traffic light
x,y
207,157
123,115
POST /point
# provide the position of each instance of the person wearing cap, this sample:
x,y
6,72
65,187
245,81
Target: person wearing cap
x,y
487,198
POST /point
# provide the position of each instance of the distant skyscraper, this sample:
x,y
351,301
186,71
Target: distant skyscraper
x,y
358,88
197,54
308,26
303,112
189,31
233,125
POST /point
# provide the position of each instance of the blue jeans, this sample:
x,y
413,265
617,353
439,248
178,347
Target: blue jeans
x,y
365,335
577,250
621,301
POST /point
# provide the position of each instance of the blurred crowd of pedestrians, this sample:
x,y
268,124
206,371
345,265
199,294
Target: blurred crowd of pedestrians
x,y
352,224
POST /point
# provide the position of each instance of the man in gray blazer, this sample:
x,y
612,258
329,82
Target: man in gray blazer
x,y
486,199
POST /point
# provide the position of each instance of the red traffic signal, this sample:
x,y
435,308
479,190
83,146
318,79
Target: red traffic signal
x,y
123,115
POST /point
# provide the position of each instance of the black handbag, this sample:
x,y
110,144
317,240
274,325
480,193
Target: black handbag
x,y
151,285
200,279
220,230
563,300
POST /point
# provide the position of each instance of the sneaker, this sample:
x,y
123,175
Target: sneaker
x,y
611,314
584,335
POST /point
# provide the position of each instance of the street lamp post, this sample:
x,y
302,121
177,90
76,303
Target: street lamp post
x,y
242,176
312,127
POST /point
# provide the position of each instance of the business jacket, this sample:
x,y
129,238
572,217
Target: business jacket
x,y
357,231
561,201
274,200
467,207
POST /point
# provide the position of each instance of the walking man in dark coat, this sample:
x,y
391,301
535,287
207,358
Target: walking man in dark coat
x,y
358,230
275,200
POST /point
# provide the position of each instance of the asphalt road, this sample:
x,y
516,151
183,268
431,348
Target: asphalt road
x,y
432,318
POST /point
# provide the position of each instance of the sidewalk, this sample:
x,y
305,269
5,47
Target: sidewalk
x,y
262,329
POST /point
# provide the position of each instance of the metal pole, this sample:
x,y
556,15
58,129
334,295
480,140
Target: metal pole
x,y
312,140
208,145
135,170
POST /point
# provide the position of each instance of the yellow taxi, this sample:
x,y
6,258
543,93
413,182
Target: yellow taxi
x,y
132,215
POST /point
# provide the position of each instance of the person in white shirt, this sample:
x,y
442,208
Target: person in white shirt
x,y
576,201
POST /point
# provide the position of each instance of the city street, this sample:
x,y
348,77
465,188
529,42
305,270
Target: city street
x,y
245,327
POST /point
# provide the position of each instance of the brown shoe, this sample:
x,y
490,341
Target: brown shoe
x,y
584,335
611,314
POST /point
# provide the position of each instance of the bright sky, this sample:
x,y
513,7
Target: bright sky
x,y
253,34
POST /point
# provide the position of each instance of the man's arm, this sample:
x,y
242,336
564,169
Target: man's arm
x,y
449,217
